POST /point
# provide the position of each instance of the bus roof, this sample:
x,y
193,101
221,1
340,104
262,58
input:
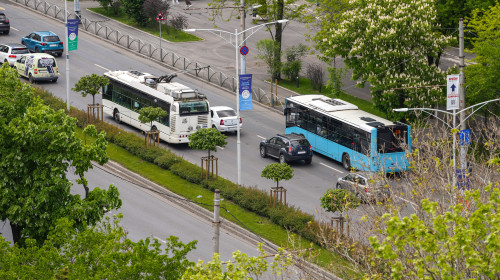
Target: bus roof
x,y
341,110
148,83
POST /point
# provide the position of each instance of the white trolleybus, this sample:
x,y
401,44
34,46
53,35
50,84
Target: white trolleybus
x,y
339,130
129,91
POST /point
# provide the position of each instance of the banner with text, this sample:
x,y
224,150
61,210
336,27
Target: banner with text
x,y
72,34
246,92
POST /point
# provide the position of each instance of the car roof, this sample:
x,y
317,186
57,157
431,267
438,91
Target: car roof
x,y
219,108
292,136
14,45
45,33
40,55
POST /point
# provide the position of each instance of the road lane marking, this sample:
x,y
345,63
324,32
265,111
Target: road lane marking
x,y
102,67
264,138
157,238
220,147
331,167
14,28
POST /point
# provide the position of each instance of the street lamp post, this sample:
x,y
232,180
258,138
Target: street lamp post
x,y
236,45
455,125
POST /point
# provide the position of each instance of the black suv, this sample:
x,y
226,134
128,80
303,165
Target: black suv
x,y
4,23
288,147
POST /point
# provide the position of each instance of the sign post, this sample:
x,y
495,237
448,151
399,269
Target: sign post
x,y
159,19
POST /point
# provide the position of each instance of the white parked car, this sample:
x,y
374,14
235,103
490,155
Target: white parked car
x,y
12,52
224,119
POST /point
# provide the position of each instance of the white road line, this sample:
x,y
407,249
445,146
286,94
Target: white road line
x,y
406,200
156,237
220,147
102,67
331,167
264,138
14,28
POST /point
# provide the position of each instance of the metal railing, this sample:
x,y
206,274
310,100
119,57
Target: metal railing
x,y
152,51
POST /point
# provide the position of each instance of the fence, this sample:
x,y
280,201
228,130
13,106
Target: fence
x,y
153,51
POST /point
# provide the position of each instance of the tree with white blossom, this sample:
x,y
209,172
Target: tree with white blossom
x,y
393,45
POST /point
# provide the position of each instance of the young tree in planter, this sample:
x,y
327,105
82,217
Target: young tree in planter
x,y
149,114
339,200
207,139
91,84
277,172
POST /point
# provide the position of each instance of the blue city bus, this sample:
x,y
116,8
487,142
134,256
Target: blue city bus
x,y
357,139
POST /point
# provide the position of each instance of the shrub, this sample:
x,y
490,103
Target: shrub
x,y
187,171
166,160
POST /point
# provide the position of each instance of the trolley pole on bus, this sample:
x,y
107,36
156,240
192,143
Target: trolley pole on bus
x,y
452,127
237,44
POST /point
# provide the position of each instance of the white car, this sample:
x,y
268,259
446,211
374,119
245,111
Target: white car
x,y
224,119
12,52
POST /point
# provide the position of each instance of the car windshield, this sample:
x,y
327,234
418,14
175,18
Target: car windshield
x,y
51,39
20,51
226,113
300,142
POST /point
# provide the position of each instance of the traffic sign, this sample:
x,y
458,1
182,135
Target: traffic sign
x,y
464,137
452,89
244,50
160,17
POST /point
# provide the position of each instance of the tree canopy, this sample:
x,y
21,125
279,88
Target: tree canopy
x,y
207,139
483,78
338,200
99,252
149,114
392,45
460,243
277,172
39,147
91,84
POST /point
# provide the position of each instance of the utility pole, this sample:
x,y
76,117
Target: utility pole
x,y
66,50
461,93
243,14
216,223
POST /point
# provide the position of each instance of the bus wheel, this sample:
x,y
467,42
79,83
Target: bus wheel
x,y
156,135
116,116
346,162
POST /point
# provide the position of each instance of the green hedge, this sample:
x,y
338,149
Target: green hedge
x,y
252,199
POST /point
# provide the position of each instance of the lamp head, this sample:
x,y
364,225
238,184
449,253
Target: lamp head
x,y
189,30
400,110
282,21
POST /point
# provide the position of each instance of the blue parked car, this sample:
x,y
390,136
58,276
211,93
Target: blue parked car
x,y
43,42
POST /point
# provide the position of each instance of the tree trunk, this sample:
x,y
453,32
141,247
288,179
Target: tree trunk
x,y
16,232
279,38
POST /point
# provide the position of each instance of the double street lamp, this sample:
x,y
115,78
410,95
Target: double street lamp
x,y
455,126
237,45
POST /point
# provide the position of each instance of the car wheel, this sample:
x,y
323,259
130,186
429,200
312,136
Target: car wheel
x,y
263,152
23,43
282,158
37,50
213,126
346,162
7,32
31,79
116,116
54,80
339,186
308,161
59,54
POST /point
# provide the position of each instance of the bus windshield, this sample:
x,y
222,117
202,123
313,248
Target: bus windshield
x,y
193,108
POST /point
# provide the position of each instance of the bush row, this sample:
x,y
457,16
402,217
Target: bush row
x,y
252,199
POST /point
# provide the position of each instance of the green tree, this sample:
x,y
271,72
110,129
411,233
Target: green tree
x,y
450,11
293,63
483,78
393,46
91,84
99,252
133,9
243,266
39,147
271,10
149,114
461,243
207,139
267,50
338,200
277,172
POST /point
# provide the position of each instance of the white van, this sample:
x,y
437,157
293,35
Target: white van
x,y
38,67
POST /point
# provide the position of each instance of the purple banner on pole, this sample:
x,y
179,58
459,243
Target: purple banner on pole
x,y
246,92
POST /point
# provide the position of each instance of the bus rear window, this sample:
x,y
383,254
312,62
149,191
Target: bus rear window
x,y
193,108
392,139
